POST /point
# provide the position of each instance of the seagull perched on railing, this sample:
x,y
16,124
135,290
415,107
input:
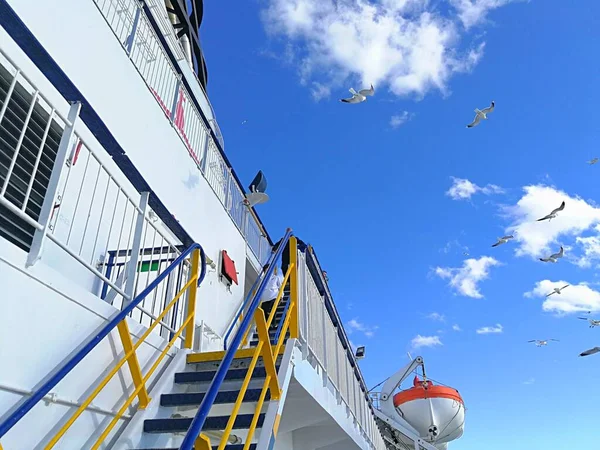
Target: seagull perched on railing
x,y
554,257
360,96
503,240
591,351
481,114
541,343
557,290
553,214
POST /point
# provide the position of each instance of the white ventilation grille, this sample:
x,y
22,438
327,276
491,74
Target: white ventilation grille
x,y
29,138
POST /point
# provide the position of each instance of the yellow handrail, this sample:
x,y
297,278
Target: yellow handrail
x,y
269,351
240,398
268,378
131,357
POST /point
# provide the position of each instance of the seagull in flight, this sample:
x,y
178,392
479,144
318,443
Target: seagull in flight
x,y
481,114
591,351
541,343
360,96
554,257
593,322
554,213
593,161
557,290
503,240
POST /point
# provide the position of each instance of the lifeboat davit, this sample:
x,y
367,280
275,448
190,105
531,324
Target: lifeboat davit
x,y
436,412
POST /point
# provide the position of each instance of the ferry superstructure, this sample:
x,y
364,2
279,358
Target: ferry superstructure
x,y
131,260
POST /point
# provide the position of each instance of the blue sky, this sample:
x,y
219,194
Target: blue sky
x,y
373,198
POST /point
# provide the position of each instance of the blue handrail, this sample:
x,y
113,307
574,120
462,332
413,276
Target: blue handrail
x,y
249,297
210,396
27,404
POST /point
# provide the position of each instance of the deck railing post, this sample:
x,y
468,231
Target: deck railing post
x,y
324,331
35,252
132,265
227,189
293,262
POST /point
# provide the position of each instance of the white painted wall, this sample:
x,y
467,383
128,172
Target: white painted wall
x,y
89,53
311,380
284,441
49,317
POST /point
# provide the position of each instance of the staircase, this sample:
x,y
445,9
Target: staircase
x,y
275,328
219,399
192,385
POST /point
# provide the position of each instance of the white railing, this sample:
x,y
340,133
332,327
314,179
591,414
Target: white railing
x,y
325,346
65,198
134,31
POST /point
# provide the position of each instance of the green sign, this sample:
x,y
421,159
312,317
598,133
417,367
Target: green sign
x,y
148,266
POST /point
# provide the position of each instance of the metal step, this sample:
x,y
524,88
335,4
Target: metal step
x,y
240,363
242,421
208,375
195,398
254,341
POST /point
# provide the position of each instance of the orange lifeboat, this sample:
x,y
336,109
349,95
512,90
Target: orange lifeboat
x,y
436,412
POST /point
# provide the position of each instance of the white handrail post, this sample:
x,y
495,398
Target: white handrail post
x,y
170,293
35,252
135,248
338,392
306,308
324,331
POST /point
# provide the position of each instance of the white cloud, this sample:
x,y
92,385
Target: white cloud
x,y
463,189
535,238
319,91
410,46
455,327
490,330
529,381
591,249
398,120
436,317
355,325
465,279
425,341
473,12
576,298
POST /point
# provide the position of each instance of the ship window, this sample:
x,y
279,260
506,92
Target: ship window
x,y
12,227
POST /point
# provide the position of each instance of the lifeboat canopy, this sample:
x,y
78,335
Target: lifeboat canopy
x,y
436,412
427,413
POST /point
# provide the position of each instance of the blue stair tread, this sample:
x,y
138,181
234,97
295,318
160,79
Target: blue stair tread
x,y
195,398
208,375
212,423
